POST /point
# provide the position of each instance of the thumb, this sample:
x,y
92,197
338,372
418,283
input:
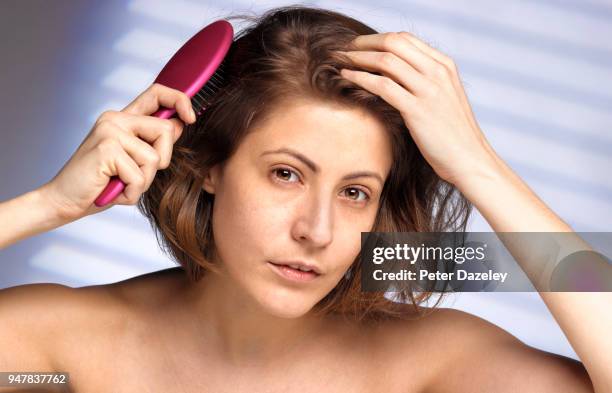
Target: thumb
x,y
178,129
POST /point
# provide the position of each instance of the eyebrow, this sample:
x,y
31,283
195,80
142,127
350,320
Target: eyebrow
x,y
315,168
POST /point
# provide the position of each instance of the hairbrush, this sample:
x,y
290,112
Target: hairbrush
x,y
196,70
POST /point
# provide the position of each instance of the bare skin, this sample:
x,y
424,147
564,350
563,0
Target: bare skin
x,y
156,309
136,335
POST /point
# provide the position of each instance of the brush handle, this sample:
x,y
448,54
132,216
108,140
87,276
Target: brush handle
x,y
115,186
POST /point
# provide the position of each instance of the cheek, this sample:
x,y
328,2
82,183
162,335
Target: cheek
x,y
255,210
349,245
247,214
349,240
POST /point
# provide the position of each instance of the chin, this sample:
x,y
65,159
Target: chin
x,y
285,305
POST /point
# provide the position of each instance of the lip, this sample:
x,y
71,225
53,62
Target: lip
x,y
298,263
293,274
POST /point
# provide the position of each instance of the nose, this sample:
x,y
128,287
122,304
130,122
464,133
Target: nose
x,y
314,222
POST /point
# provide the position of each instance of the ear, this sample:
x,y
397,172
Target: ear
x,y
211,179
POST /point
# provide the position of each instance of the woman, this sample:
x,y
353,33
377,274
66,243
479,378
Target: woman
x,y
325,129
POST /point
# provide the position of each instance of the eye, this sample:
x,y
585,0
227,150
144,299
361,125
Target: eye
x,y
367,197
285,173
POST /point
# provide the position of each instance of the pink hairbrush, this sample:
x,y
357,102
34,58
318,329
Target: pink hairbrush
x,y
194,70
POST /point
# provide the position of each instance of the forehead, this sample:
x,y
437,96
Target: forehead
x,y
326,133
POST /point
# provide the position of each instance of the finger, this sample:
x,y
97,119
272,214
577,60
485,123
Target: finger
x,y
444,59
428,50
131,175
158,95
164,145
160,133
399,45
390,65
144,155
179,126
435,54
383,86
148,128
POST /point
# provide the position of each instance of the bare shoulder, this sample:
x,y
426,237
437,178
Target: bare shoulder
x,y
38,323
464,352
49,326
151,289
27,325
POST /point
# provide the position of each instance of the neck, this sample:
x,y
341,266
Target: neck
x,y
243,332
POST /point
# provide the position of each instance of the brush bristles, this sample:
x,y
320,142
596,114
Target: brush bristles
x,y
203,97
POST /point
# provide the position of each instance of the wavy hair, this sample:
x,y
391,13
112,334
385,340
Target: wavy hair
x,y
284,53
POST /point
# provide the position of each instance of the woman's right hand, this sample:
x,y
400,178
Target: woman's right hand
x,y
130,144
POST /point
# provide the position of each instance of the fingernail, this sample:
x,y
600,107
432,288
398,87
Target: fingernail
x,y
193,115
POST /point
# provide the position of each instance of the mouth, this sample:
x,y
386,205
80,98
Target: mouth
x,y
292,273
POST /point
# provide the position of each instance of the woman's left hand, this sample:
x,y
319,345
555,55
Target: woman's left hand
x,y
424,86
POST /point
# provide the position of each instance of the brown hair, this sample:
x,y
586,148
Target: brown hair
x,y
289,52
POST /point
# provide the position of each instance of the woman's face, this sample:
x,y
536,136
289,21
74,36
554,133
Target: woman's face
x,y
270,206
